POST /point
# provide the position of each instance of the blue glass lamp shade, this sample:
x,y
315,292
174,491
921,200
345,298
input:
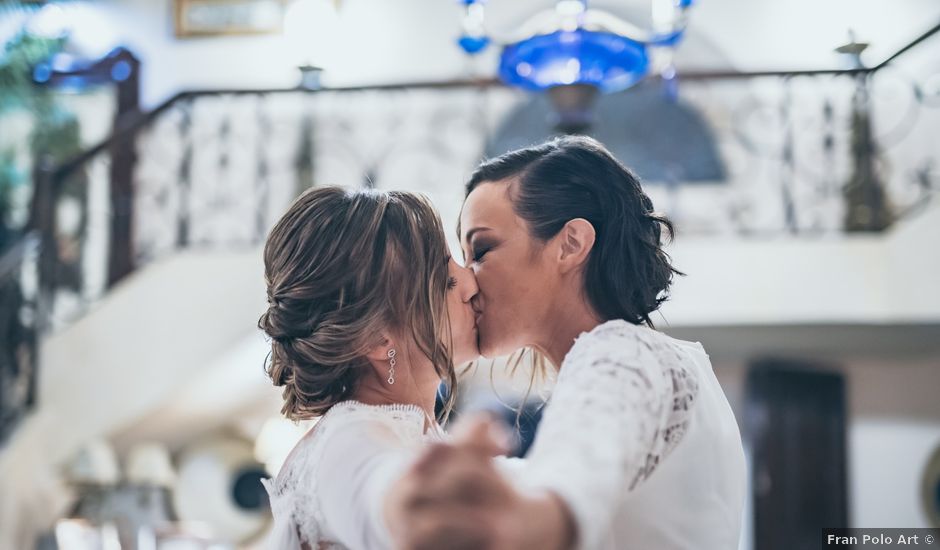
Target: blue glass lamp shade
x,y
605,60
473,44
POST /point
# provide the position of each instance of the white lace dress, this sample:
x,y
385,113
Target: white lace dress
x,y
330,492
638,440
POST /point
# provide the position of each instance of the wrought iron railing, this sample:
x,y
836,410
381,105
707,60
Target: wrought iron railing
x,y
18,336
215,168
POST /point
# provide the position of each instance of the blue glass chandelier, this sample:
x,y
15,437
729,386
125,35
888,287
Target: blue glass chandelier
x,y
573,45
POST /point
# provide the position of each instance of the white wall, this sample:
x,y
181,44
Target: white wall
x,y
376,41
893,428
888,456
867,279
168,327
164,328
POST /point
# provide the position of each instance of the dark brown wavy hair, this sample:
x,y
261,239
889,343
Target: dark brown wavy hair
x,y
628,273
342,266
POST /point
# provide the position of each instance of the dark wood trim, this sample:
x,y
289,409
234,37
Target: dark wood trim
x,y
12,257
934,30
43,223
133,124
130,120
795,418
735,75
123,153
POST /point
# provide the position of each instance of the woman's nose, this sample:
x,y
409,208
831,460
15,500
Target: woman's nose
x,y
475,304
471,288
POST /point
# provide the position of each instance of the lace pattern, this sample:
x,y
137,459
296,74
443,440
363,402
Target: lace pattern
x,y
293,494
664,388
622,403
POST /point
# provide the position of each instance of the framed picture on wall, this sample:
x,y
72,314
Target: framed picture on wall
x,y
227,17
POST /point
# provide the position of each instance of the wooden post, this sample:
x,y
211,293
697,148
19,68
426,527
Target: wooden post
x,y
123,160
42,220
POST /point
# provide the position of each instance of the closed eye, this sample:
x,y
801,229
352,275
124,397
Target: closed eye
x,y
451,283
478,253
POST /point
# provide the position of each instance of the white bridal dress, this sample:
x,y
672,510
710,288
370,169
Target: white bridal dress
x,y
638,440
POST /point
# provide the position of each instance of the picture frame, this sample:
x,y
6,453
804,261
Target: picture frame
x,y
199,18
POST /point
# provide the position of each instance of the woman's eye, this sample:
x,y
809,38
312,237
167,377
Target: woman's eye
x,y
451,283
479,253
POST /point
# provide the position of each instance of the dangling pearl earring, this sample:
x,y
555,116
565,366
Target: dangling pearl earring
x,y
391,366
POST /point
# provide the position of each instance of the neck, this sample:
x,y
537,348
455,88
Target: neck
x,y
566,323
374,388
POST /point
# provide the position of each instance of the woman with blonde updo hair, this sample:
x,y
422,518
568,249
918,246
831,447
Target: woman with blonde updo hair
x,y
367,314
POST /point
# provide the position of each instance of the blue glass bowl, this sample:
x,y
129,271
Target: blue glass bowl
x,y
608,61
473,44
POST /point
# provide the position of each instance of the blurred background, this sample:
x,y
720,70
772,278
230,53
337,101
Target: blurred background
x,y
147,146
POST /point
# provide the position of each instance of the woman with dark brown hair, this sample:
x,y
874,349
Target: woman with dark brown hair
x,y
367,314
638,447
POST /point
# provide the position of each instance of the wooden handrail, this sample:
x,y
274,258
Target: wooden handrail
x,y
131,124
134,123
50,178
11,259
927,34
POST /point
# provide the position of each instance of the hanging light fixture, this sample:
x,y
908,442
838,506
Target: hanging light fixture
x,y
311,31
574,52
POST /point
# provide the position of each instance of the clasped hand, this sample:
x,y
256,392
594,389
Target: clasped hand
x,y
454,497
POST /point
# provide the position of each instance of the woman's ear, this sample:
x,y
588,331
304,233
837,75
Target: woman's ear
x,y
576,241
380,352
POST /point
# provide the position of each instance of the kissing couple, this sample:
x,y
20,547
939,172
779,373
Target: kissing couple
x,y
563,254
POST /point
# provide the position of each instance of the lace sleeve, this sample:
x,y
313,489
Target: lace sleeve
x,y
620,405
331,491
355,471
283,533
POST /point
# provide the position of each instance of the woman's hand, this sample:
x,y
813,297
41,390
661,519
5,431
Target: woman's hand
x,y
454,497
